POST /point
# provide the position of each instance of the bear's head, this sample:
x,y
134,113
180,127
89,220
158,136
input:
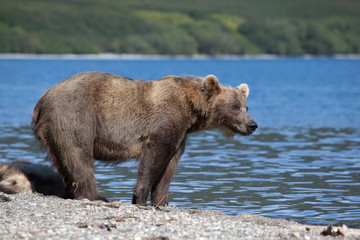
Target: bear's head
x,y
15,183
227,107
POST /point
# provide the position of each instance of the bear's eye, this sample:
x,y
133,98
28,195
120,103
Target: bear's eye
x,y
247,108
236,107
14,183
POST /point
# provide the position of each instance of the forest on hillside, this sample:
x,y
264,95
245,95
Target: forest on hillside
x,y
283,27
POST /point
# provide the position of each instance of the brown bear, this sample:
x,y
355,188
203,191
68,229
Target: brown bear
x,y
23,176
101,116
12,180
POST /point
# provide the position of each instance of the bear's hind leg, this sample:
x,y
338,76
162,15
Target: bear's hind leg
x,y
76,165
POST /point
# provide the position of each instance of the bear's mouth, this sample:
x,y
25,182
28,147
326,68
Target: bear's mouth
x,y
7,190
238,130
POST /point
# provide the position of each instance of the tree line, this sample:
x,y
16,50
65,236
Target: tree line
x,y
157,27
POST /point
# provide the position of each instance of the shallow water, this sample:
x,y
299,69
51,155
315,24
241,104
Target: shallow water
x,y
303,163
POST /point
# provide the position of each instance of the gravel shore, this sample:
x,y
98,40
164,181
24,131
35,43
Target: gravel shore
x,y
33,216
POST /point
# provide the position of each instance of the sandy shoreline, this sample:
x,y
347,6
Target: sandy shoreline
x,y
33,216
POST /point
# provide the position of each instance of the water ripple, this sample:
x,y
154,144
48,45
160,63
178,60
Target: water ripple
x,y
308,175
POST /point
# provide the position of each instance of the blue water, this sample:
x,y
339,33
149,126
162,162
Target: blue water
x,y
303,163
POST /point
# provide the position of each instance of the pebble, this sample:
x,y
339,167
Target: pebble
x,y
34,216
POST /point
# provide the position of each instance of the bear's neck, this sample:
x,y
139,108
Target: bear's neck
x,y
199,114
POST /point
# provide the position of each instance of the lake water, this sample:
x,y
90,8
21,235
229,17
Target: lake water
x,y
303,163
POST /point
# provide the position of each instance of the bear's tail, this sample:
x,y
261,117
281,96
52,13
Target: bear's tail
x,y
35,120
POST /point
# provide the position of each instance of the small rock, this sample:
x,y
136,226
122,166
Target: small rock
x,y
161,238
4,198
82,225
332,231
296,235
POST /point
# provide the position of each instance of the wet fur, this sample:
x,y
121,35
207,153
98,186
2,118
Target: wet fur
x,y
112,118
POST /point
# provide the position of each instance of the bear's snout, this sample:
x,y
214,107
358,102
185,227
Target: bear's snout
x,y
252,126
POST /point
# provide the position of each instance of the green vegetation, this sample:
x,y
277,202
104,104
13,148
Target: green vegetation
x,y
285,27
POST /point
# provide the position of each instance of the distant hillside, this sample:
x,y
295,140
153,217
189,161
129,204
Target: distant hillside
x,y
285,27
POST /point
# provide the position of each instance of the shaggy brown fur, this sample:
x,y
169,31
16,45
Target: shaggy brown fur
x,y
112,118
22,176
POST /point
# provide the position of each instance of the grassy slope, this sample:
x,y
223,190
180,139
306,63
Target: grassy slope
x,y
175,27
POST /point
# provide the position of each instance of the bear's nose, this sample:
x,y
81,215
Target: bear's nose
x,y
252,126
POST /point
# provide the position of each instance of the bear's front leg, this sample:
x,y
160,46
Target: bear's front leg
x,y
160,189
153,160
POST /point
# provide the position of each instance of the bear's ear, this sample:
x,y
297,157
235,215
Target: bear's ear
x,y
244,90
211,84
